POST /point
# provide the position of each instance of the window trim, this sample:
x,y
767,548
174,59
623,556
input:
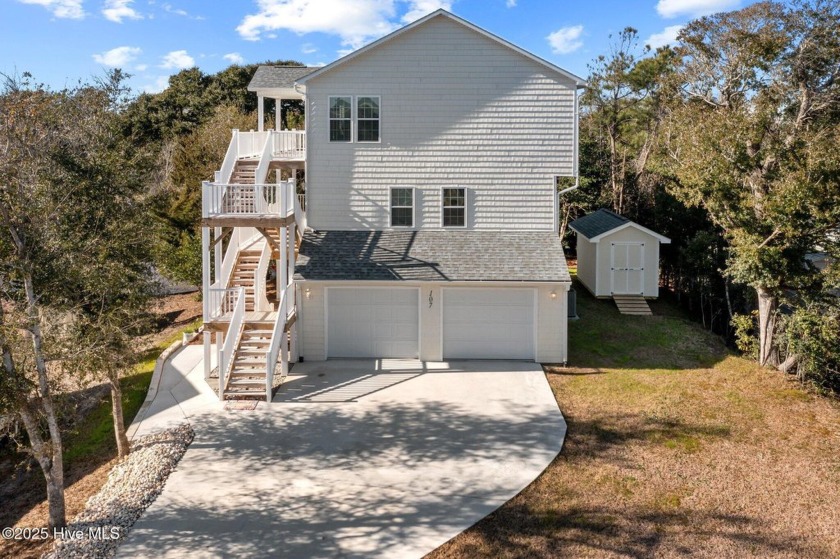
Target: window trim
x,y
391,207
442,207
356,119
330,118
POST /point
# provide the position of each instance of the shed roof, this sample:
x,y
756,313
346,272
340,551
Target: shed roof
x,y
432,256
278,77
602,222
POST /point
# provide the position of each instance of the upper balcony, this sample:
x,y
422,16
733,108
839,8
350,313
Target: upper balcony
x,y
250,205
283,145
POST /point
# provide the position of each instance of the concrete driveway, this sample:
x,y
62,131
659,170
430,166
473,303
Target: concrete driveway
x,y
382,458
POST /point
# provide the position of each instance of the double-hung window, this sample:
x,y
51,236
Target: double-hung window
x,y
402,207
454,210
341,119
367,119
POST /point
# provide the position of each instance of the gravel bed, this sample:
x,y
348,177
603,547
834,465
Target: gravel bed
x,y
132,486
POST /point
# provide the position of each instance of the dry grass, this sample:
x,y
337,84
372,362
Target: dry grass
x,y
675,448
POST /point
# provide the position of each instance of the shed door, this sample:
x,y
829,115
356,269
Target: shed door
x,y
488,323
373,322
627,268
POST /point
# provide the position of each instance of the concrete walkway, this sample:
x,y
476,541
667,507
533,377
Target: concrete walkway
x,y
352,459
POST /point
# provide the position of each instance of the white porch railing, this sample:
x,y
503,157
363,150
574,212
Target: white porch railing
x,y
242,200
250,144
289,144
234,301
277,349
222,302
261,303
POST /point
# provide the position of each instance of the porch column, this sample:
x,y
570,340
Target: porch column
x,y
260,113
207,355
217,256
205,271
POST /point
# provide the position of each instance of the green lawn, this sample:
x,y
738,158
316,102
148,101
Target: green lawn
x,y
93,437
675,447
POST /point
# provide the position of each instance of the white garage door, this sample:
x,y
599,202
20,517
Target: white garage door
x,y
488,323
372,322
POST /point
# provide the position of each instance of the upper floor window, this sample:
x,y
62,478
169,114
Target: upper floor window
x,y
454,207
367,119
402,207
341,119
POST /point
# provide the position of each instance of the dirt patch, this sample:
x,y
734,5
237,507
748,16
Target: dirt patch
x,y
174,313
83,480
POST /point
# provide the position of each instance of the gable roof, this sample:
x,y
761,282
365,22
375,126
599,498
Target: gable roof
x,y
276,77
432,255
579,82
603,222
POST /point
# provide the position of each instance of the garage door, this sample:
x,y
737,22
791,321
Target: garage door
x,y
488,323
372,322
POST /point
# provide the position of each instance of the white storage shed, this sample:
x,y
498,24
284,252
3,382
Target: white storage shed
x,y
617,256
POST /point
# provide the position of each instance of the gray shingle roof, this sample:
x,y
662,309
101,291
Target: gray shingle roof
x,y
597,223
278,76
432,256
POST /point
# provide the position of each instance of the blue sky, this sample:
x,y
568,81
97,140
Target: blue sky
x,y
61,41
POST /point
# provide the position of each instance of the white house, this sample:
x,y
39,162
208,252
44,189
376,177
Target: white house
x,y
428,228
616,256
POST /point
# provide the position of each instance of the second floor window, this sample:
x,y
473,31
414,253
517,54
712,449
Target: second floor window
x,y
454,207
402,207
367,119
341,119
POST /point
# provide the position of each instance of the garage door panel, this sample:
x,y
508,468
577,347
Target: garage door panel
x,y
490,323
372,322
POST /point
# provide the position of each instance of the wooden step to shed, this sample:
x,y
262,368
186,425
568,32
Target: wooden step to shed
x,y
635,305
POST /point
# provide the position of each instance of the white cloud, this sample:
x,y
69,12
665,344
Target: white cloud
x,y
308,48
510,3
160,83
354,21
141,67
177,60
180,12
118,10
118,57
566,39
234,58
693,8
667,36
63,9
421,8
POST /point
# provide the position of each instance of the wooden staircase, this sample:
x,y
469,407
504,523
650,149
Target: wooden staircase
x,y
245,273
247,377
245,171
635,305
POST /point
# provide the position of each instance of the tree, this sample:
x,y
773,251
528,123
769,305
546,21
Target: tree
x,y
752,140
74,250
622,105
26,251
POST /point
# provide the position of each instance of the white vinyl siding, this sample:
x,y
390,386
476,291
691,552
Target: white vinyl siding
x,y
461,110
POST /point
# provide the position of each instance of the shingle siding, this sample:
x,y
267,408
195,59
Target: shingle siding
x,y
457,109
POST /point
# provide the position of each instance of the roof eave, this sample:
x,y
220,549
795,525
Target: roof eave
x,y
661,238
